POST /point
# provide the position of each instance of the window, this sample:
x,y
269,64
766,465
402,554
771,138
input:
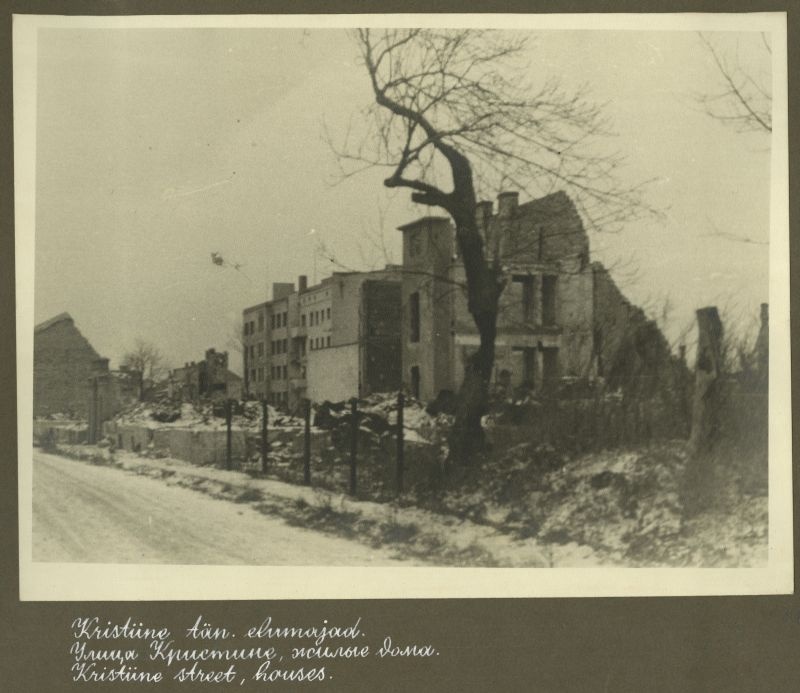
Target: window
x,y
252,375
284,373
529,367
252,326
285,316
260,374
526,281
303,319
261,348
414,308
328,342
261,322
549,366
415,381
252,352
328,312
549,300
414,244
285,347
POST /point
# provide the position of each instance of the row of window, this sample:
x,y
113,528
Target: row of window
x,y
281,346
278,320
275,372
278,398
315,317
278,372
250,326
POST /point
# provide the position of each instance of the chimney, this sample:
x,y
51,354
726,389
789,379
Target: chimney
x,y
302,282
507,204
682,353
765,314
281,290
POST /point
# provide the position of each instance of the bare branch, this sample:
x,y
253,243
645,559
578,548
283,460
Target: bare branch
x,y
743,103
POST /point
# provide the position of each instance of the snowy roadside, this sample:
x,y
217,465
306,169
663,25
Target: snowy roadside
x,y
410,532
531,508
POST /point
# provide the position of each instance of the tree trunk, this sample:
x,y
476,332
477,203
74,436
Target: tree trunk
x,y
700,467
706,405
483,294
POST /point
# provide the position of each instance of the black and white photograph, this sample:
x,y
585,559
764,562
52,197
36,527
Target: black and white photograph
x,y
402,306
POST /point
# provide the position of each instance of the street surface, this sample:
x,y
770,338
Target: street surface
x,y
88,513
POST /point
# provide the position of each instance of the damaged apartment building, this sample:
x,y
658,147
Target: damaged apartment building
x,y
332,341
560,315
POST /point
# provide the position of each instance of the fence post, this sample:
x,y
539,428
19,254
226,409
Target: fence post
x,y
228,440
353,443
400,445
307,445
264,438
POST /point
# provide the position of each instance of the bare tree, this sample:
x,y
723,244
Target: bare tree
x,y
455,113
743,100
146,358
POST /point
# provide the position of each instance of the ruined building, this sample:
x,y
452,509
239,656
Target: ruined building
x,y
207,378
560,315
70,378
332,341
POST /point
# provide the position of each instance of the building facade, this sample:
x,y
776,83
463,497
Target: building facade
x,y
331,341
560,315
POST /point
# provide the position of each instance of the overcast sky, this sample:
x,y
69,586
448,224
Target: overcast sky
x,y
156,148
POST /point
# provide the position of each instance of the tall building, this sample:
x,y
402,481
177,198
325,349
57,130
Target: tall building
x,y
560,315
331,341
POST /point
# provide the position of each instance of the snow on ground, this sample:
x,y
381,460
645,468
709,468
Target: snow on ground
x,y
608,509
409,531
525,505
419,426
93,513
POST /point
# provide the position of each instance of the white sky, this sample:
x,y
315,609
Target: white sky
x,y
157,147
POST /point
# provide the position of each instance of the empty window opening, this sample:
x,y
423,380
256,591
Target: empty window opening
x,y
415,381
549,365
549,300
526,296
414,308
